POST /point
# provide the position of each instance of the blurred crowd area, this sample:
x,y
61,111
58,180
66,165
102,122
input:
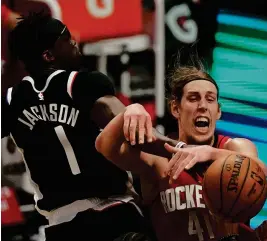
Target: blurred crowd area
x,y
136,43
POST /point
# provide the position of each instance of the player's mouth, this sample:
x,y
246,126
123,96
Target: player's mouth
x,y
202,124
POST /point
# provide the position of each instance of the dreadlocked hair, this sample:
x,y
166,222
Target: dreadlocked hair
x,y
25,37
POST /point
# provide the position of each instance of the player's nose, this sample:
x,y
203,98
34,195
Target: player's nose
x,y
202,105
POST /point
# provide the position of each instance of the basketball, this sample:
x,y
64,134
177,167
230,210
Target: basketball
x,y
235,188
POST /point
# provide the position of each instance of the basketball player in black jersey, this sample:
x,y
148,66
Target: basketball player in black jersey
x,y
54,116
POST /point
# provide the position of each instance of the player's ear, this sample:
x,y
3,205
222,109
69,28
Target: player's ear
x,y
174,106
48,56
219,114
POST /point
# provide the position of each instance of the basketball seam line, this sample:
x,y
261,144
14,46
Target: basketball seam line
x,y
244,180
221,189
253,202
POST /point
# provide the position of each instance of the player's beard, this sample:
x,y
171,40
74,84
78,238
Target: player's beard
x,y
192,141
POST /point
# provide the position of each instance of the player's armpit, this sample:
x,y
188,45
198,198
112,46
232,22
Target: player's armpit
x,y
105,109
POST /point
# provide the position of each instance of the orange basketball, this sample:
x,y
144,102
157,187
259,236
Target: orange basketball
x,y
235,188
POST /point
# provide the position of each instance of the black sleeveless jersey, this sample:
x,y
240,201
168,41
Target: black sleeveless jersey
x,y
53,129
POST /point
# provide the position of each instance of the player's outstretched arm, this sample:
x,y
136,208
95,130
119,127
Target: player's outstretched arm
x,y
186,158
112,144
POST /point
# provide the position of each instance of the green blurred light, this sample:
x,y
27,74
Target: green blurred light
x,y
242,21
241,92
241,129
246,43
228,56
234,107
246,76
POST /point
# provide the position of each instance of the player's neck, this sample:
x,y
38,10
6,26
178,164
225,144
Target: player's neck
x,y
40,76
190,141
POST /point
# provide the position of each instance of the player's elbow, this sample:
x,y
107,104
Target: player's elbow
x,y
103,146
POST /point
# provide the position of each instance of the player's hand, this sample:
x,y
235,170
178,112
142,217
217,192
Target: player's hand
x,y
261,231
186,158
137,124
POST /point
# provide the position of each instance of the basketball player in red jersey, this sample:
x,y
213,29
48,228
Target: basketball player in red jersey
x,y
177,207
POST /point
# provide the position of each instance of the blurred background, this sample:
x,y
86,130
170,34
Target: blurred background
x,y
136,43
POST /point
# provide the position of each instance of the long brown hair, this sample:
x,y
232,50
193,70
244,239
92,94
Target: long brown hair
x,y
183,74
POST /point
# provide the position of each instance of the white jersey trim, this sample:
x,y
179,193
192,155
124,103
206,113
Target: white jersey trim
x,y
31,80
70,82
68,212
9,95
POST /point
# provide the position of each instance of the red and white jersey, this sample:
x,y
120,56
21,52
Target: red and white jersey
x,y
179,212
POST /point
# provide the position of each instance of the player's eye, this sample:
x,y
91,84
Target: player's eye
x,y
210,99
192,98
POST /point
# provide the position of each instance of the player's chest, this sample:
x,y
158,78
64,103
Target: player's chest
x,y
183,193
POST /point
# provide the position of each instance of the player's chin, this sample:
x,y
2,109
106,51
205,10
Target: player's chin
x,y
201,139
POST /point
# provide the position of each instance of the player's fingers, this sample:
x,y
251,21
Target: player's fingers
x,y
174,160
149,129
181,167
191,163
132,129
179,162
126,127
170,148
141,129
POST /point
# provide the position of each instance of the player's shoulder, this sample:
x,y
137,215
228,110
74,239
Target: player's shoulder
x,y
14,90
91,76
93,80
237,143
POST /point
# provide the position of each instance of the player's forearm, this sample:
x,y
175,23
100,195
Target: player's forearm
x,y
110,140
223,153
157,147
111,143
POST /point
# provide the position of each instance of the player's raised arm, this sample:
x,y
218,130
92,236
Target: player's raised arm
x,y
94,92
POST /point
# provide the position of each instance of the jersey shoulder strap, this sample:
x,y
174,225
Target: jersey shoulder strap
x,y
220,141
